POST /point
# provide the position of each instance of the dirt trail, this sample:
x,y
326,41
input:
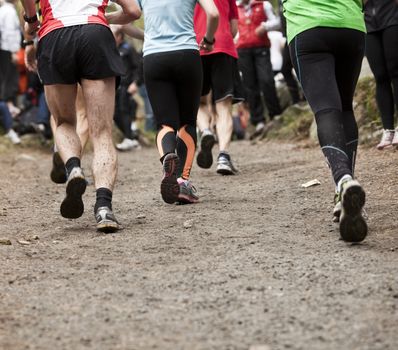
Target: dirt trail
x,y
258,261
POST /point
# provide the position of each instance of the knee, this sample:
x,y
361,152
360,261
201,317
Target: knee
x,y
168,127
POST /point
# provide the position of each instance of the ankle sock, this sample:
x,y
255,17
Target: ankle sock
x,y
104,198
72,163
224,154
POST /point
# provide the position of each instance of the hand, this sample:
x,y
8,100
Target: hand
x,y
206,47
132,89
30,58
14,58
32,28
260,31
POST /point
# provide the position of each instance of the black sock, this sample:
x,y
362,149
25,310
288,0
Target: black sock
x,y
224,154
332,139
72,163
104,199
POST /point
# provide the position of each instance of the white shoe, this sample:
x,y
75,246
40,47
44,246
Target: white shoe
x,y
395,139
13,136
128,145
386,139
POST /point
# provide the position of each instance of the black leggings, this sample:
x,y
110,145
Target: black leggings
x,y
328,62
382,54
174,83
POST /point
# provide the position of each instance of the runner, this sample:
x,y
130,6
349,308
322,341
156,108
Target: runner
x,y
219,74
255,20
327,43
76,45
381,18
173,76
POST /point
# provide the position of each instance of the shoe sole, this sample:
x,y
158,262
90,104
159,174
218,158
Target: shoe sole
x,y
205,157
58,172
107,226
72,206
185,199
381,148
353,227
169,188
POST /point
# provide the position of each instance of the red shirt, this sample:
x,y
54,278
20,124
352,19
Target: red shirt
x,y
224,40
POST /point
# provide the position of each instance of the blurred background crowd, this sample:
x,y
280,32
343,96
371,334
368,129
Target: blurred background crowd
x,y
264,66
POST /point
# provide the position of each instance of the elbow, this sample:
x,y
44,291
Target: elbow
x,y
214,15
133,13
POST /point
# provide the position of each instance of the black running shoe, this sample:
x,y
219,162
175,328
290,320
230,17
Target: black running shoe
x,y
205,157
106,221
72,206
353,227
58,172
169,187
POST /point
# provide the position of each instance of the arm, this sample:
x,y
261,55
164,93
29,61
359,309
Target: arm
x,y
29,7
29,34
273,22
233,24
30,11
130,12
133,31
212,23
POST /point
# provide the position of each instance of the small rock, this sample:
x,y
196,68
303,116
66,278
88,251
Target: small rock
x,y
259,347
25,157
33,238
5,241
141,216
188,224
22,242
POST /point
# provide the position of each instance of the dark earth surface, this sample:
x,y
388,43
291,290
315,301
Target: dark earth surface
x,y
257,262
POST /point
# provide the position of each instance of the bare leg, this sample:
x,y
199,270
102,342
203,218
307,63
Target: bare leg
x,y
207,140
81,119
61,101
224,123
99,96
204,115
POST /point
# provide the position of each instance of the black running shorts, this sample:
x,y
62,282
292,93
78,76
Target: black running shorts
x,y
219,74
67,55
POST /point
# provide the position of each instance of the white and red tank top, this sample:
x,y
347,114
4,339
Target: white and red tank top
x,y
65,13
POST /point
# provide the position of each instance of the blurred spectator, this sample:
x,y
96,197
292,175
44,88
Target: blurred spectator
x,y
126,106
150,124
256,18
381,18
287,67
6,122
10,35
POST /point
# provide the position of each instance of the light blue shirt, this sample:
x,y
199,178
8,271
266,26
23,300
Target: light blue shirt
x,y
168,25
